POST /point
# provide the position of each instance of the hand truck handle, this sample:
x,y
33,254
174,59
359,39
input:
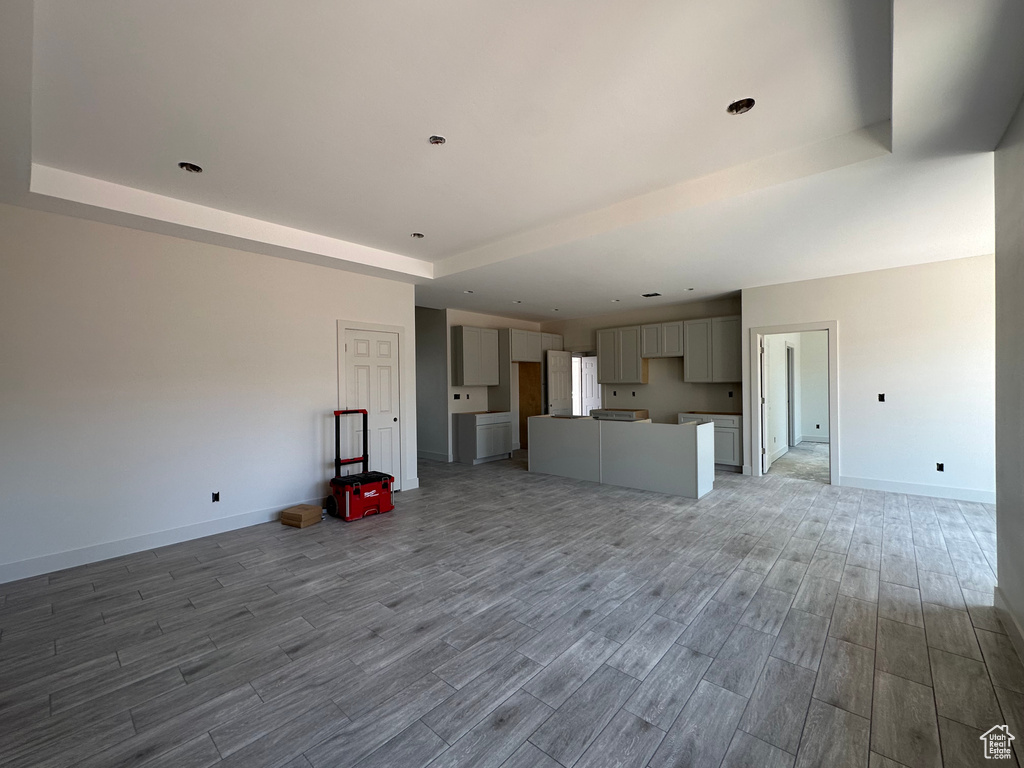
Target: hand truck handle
x,y
338,461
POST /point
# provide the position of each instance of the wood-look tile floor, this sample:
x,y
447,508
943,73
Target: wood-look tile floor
x,y
807,461
499,618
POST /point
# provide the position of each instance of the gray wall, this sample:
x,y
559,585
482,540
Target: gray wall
x,y
1009,188
140,372
432,383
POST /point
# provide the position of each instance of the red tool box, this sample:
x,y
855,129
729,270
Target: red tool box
x,y
367,493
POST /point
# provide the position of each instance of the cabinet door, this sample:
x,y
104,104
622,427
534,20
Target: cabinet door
x,y
471,356
520,345
725,349
727,447
534,342
697,346
488,357
606,368
671,337
502,438
650,341
628,354
484,441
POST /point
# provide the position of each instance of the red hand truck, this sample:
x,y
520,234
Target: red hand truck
x,y
367,493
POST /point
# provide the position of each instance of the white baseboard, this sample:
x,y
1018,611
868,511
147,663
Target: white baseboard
x,y
36,566
776,455
918,489
410,484
813,439
1010,623
747,470
432,456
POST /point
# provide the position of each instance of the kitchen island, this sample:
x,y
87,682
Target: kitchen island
x,y
677,459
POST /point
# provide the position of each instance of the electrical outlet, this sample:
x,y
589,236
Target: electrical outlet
x,y
614,393
467,395
634,394
881,397
730,393
940,467
817,426
457,396
216,496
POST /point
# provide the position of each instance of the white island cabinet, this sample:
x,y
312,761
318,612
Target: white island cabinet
x,y
677,459
480,437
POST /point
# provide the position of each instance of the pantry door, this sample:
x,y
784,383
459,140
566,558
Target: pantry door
x,y
559,383
371,374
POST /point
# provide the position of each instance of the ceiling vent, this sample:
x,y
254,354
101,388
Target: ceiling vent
x,y
190,167
650,295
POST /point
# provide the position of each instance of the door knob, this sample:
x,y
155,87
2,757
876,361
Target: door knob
x,y
396,418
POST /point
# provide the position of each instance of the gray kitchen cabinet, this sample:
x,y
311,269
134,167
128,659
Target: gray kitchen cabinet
x,y
527,346
480,437
551,341
474,356
728,435
725,349
662,339
619,359
712,350
672,339
697,356
606,371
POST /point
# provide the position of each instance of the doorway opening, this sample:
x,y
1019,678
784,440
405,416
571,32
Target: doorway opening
x,y
794,429
586,392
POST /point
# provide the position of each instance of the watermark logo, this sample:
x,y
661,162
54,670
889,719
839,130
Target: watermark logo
x,y
997,743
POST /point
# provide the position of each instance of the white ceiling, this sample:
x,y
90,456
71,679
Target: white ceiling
x,y
589,154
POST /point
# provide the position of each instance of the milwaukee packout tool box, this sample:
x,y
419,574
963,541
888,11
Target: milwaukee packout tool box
x,y
356,496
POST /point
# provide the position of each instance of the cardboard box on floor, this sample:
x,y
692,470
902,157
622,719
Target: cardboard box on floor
x,y
301,516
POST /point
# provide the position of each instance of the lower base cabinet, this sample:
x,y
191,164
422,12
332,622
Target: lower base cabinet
x,y
480,437
728,435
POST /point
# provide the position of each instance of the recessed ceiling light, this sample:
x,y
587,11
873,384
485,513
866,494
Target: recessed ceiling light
x,y
554,310
516,301
190,167
615,300
467,291
741,106
649,295
689,289
417,235
437,140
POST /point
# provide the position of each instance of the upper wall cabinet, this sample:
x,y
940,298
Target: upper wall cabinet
x,y
712,350
662,339
474,356
551,341
527,346
619,359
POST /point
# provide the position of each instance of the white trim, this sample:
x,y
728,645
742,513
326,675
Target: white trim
x,y
1010,623
411,484
36,566
813,439
919,489
776,455
752,405
86,190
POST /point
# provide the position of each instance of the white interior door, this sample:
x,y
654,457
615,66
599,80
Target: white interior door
x,y
591,389
559,382
371,377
